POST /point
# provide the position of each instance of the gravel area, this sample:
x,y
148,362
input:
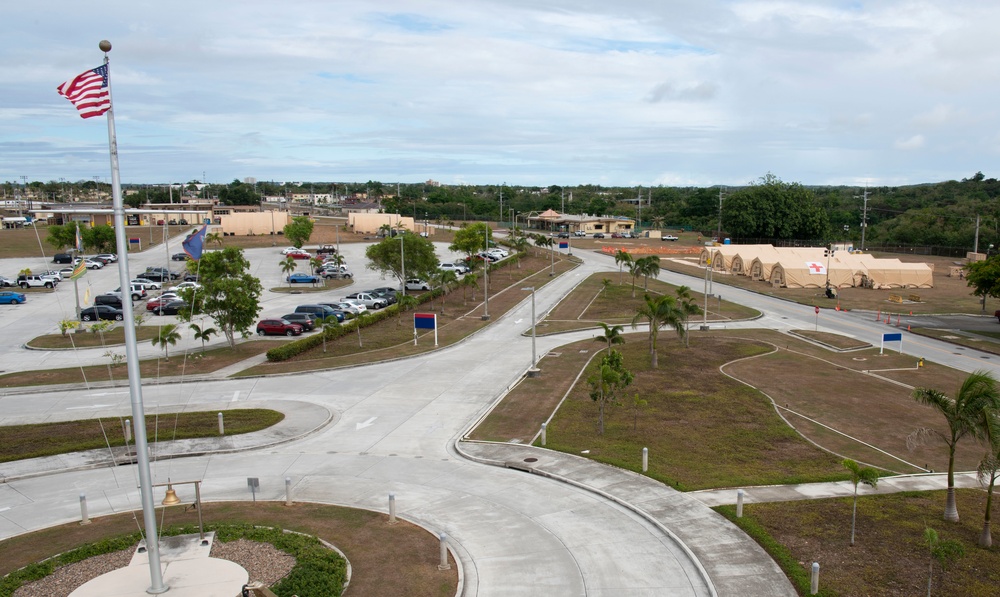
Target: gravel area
x,y
262,561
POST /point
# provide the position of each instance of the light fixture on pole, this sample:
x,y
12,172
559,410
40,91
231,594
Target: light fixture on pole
x,y
532,370
486,277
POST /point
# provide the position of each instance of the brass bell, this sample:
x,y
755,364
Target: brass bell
x,y
171,498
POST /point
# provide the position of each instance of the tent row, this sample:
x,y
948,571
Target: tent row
x,y
809,267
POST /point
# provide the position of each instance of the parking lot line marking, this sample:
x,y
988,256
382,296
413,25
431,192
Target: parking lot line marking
x,y
236,395
91,406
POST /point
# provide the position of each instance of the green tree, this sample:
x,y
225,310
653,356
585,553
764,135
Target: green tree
x,y
407,254
298,230
100,238
470,280
688,307
770,208
471,239
315,263
636,404
361,318
657,312
230,295
288,265
859,474
612,335
327,325
610,379
203,334
238,193
213,237
63,236
984,278
967,414
648,267
944,551
635,270
445,280
166,336
404,303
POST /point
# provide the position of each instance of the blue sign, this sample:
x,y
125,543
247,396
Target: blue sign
x,y
892,337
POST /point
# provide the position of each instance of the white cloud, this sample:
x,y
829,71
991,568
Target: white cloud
x,y
910,143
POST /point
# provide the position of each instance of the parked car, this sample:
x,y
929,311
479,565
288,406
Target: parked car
x,y
137,291
184,285
389,294
36,281
457,267
159,301
147,283
6,282
579,233
170,307
288,250
278,327
598,235
107,257
563,235
358,306
109,300
101,312
417,284
302,279
62,258
320,311
90,263
190,277
51,274
348,310
9,297
101,260
299,255
179,257
370,300
614,235
306,320
159,274
668,237
66,272
334,271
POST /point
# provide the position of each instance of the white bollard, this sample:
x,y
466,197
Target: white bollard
x,y
288,491
392,508
222,426
84,517
645,459
544,425
814,582
739,503
128,430
444,565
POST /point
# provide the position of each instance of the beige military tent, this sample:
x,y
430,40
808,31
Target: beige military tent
x,y
800,272
722,256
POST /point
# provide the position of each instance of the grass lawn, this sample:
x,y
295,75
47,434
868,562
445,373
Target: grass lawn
x,y
889,557
114,337
47,439
399,559
984,341
179,364
592,301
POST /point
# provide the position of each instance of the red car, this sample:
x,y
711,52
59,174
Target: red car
x,y
160,300
300,255
278,327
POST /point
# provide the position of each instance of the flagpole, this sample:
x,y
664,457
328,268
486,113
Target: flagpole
x,y
132,356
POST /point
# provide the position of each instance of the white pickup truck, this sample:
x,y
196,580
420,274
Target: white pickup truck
x,y
368,299
36,281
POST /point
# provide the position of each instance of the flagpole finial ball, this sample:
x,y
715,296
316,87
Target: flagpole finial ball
x,y
105,45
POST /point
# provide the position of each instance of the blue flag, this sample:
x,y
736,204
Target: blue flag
x,y
194,244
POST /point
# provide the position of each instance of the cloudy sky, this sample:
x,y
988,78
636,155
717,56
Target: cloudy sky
x,y
631,92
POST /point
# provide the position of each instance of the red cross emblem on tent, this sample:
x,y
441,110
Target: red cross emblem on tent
x,y
815,267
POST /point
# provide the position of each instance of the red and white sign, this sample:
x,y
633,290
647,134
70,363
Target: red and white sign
x,y
816,267
817,310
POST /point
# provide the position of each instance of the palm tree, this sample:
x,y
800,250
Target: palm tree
x,y
213,237
358,320
403,303
445,279
967,415
287,267
470,280
328,324
635,269
859,474
203,334
945,552
316,264
988,473
605,284
610,378
622,258
648,266
688,307
519,244
167,335
612,335
659,311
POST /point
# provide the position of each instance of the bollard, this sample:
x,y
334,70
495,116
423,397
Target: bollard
x,y
444,565
84,517
128,430
814,581
543,433
392,508
739,503
288,491
645,459
222,426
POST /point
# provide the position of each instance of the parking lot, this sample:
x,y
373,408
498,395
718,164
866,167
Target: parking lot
x,y
44,310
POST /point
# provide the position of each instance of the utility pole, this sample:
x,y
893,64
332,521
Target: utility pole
x,y
718,233
501,209
864,217
975,248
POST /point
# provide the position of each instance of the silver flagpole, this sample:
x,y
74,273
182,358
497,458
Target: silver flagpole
x,y
132,356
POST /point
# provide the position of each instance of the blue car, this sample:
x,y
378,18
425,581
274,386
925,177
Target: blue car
x,y
9,297
302,279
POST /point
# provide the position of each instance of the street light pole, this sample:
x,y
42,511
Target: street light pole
x,y
532,370
402,266
486,277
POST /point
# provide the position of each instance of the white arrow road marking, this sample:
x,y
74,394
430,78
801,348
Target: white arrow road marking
x,y
367,423
4,509
91,406
236,395
516,321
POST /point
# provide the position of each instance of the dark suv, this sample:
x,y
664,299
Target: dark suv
x,y
320,311
111,300
159,274
62,258
306,320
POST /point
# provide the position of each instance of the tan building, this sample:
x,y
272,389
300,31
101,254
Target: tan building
x,y
552,221
370,223
254,223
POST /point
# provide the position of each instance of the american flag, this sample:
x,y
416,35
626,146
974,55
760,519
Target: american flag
x,y
88,92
